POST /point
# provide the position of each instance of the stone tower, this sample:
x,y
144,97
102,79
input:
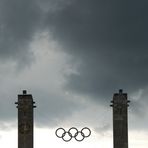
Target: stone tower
x,y
25,120
120,119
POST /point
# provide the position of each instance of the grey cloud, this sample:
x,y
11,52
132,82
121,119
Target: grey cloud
x,y
139,102
52,109
18,22
103,129
43,80
109,39
6,126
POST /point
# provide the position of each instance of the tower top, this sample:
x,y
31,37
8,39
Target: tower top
x,y
25,97
24,92
120,98
120,91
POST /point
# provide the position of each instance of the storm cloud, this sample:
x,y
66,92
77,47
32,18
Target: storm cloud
x,y
19,21
109,39
105,43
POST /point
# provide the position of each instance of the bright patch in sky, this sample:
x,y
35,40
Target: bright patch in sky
x,y
44,137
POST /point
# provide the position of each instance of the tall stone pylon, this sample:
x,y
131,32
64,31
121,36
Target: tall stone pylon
x,y
120,119
25,107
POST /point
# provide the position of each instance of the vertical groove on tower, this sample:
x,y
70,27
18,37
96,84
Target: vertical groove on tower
x,y
25,107
120,120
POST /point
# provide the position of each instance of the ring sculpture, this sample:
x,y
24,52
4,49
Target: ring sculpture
x,y
73,133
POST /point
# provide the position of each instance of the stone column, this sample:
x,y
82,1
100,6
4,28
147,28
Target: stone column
x,y
25,107
120,119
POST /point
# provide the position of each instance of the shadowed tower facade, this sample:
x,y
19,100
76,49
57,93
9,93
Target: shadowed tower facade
x,y
25,107
120,119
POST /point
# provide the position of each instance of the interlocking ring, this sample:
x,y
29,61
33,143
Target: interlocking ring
x,y
73,133
86,129
61,133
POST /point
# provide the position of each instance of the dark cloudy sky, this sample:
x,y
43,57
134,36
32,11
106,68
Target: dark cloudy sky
x,y
72,55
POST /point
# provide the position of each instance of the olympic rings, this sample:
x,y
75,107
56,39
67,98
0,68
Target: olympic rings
x,y
73,133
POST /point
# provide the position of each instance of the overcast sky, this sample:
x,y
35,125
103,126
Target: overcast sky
x,y
72,55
